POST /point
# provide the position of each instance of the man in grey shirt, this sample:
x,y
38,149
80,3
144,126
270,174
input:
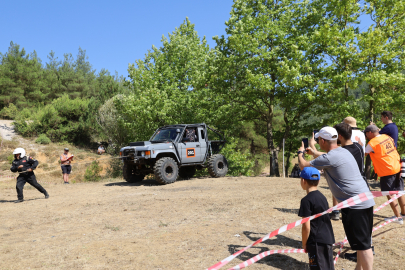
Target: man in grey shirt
x,y
345,181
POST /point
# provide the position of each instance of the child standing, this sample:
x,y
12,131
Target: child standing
x,y
317,234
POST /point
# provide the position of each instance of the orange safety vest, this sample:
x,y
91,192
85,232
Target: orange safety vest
x,y
385,158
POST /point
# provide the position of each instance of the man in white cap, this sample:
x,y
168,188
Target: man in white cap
x,y
357,135
345,181
25,166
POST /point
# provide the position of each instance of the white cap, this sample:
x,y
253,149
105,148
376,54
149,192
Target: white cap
x,y
327,133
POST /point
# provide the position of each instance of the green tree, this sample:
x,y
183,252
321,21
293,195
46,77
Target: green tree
x,y
168,86
268,65
20,78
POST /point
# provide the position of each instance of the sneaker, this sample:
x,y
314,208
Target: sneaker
x,y
18,201
389,218
399,220
46,195
335,215
66,183
351,256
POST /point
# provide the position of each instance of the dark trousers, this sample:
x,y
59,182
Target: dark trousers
x,y
30,179
320,256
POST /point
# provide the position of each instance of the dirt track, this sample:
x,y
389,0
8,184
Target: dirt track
x,y
6,129
187,225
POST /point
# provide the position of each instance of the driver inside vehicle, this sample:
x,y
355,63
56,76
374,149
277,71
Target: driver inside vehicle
x,y
190,134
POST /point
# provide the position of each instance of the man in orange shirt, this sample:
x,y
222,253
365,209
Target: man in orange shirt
x,y
387,165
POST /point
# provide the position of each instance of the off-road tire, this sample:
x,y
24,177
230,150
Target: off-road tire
x,y
130,175
166,170
187,172
217,166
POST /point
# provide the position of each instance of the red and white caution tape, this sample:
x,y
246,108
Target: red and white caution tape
x,y
385,223
340,250
349,202
267,253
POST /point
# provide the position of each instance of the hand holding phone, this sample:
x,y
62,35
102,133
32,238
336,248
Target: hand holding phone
x,y
305,141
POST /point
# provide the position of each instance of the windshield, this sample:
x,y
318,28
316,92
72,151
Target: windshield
x,y
164,135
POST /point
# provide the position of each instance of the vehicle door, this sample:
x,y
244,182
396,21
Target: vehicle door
x,y
190,146
203,143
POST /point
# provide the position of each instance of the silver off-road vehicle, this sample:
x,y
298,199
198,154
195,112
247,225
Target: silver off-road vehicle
x,y
172,151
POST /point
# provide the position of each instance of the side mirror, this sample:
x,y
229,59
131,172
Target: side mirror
x,y
178,130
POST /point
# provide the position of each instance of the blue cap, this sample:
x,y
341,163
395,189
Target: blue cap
x,y
310,173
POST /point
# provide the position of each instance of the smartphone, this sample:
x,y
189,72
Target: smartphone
x,y
305,140
315,131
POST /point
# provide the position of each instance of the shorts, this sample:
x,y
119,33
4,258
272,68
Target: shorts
x,y
392,182
66,169
358,225
320,256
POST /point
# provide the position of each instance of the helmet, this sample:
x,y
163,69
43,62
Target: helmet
x,y
20,151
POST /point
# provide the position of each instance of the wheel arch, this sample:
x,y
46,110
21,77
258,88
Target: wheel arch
x,y
168,154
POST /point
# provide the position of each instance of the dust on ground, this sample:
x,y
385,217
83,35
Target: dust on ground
x,y
191,224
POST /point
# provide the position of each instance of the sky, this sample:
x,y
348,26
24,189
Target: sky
x,y
113,33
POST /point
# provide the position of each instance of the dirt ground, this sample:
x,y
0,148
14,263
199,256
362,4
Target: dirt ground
x,y
191,224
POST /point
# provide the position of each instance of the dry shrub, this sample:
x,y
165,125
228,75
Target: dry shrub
x,y
56,173
10,144
32,154
4,155
4,166
51,150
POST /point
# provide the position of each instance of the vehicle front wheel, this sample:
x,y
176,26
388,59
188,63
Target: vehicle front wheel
x,y
217,166
166,170
130,174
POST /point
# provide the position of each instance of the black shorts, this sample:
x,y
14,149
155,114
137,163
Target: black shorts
x,y
320,256
358,225
66,169
392,182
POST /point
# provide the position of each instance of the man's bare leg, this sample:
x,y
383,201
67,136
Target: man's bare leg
x,y
335,202
364,259
401,201
394,206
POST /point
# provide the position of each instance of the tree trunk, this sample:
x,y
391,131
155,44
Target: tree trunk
x,y
371,117
275,162
288,163
274,171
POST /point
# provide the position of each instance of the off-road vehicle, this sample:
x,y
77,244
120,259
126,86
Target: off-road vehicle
x,y
172,151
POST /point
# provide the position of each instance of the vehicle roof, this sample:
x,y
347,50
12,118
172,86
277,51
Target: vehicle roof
x,y
184,125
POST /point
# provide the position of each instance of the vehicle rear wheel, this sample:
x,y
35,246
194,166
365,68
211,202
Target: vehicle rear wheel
x,y
217,166
130,174
166,170
187,172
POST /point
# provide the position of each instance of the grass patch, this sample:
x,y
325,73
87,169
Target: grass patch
x,y
161,224
112,228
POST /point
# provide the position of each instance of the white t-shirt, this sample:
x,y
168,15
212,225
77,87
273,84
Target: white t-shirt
x,y
358,136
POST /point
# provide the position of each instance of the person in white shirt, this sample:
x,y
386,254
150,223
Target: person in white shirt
x,y
357,135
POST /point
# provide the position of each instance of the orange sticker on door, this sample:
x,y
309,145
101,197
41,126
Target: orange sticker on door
x,y
190,152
